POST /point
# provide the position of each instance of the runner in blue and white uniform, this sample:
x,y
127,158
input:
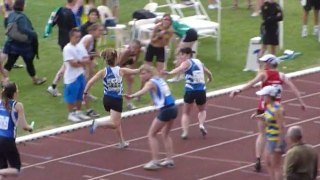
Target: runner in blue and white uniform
x,y
162,99
112,99
195,88
11,115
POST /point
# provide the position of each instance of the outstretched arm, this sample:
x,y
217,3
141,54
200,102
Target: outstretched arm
x,y
97,76
260,77
287,81
180,69
128,71
146,88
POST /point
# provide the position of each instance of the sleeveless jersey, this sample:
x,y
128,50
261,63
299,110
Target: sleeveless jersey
x,y
162,96
195,76
272,128
8,120
112,82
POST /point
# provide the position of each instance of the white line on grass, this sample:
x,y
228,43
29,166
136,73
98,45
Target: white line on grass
x,y
143,137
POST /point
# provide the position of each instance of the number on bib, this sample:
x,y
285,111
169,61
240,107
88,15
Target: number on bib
x,y
198,77
4,122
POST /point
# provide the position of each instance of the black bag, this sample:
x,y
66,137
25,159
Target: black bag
x,y
143,14
12,31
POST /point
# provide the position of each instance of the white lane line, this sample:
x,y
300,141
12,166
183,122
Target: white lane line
x,y
307,106
230,130
317,122
255,173
143,137
224,107
196,157
242,167
255,98
290,91
308,81
293,118
86,166
36,156
140,176
77,141
205,148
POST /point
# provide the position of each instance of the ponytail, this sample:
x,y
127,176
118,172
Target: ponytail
x,y
7,94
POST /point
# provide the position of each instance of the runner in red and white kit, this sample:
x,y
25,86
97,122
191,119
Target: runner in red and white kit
x,y
268,75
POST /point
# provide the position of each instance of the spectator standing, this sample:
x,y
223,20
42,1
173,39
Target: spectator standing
x,y
271,14
129,58
27,50
12,115
64,18
307,6
93,17
301,161
75,58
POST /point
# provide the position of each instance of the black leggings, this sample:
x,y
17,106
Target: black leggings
x,y
28,60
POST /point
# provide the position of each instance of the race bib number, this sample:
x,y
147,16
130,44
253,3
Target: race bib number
x,y
114,85
4,122
198,77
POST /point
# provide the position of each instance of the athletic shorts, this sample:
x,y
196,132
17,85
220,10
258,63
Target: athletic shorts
x,y
315,4
195,96
191,36
270,36
152,51
113,103
272,145
9,155
168,113
73,92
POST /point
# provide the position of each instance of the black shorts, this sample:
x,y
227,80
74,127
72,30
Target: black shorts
x,y
112,103
9,155
159,52
191,36
168,113
270,35
195,96
315,4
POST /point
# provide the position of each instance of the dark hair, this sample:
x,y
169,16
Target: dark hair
x,y
18,5
70,1
167,15
137,42
186,50
110,56
7,94
94,10
73,31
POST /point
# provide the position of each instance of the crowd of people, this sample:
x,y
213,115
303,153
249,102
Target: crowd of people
x,y
77,42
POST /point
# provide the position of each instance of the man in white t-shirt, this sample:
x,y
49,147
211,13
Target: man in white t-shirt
x,y
75,58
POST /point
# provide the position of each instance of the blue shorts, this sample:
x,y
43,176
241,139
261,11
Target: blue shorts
x,y
73,92
168,113
272,145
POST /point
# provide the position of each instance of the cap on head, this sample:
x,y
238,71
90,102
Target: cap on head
x,y
272,91
269,58
186,50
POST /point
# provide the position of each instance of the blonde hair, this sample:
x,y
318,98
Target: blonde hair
x,y
149,69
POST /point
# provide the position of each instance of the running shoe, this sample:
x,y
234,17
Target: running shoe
x,y
130,106
73,117
18,66
167,163
315,30
257,166
152,165
82,116
39,81
304,32
93,127
184,136
92,113
203,131
122,145
53,92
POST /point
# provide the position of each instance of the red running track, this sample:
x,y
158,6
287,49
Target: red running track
x,y
226,154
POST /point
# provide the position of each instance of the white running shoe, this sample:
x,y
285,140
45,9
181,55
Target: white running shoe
x,y
203,131
122,145
73,117
304,32
184,135
167,163
213,6
152,165
315,30
53,92
82,116
255,14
